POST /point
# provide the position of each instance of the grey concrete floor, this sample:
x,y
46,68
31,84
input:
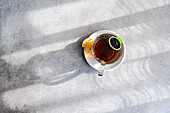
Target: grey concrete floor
x,y
42,68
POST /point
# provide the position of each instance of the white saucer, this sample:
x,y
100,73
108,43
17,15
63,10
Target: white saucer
x,y
95,64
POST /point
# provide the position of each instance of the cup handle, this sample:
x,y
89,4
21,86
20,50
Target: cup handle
x,y
120,39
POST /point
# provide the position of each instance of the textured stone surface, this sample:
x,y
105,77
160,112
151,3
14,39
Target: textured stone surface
x,y
42,68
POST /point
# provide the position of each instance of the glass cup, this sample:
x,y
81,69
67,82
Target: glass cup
x,y
105,47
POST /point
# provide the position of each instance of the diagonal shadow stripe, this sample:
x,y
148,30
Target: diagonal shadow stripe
x,y
154,14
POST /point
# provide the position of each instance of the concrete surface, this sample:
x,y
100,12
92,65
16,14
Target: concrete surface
x,y
42,69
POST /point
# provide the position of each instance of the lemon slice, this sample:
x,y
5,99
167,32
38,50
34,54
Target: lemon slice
x,y
88,47
84,43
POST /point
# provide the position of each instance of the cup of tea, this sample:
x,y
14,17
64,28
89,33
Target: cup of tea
x,y
104,50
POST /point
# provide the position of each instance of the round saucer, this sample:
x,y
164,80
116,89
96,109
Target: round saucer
x,y
95,64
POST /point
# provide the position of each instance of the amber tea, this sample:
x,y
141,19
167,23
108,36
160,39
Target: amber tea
x,y
102,51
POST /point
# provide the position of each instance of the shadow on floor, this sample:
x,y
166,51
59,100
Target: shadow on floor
x,y
58,66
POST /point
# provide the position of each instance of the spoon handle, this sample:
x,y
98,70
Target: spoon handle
x,y
101,70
